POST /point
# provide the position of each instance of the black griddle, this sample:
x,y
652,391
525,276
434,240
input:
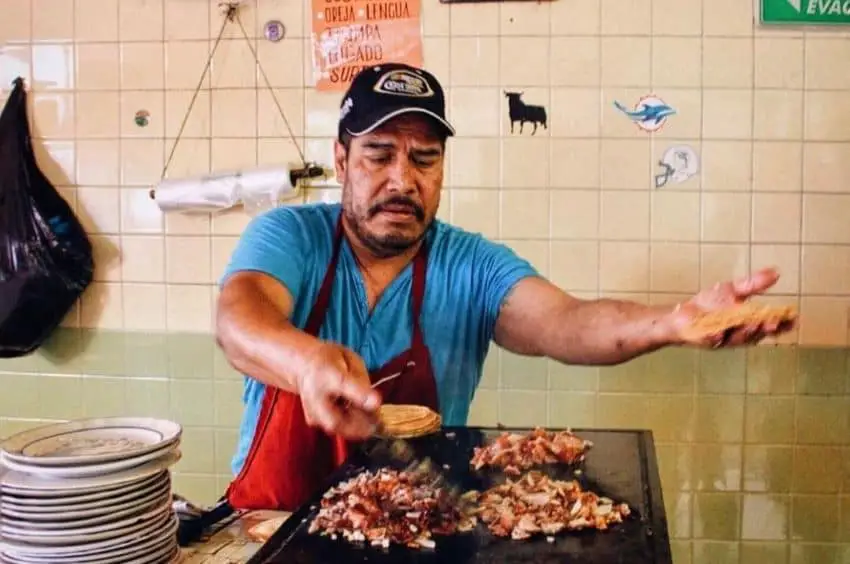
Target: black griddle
x,y
621,465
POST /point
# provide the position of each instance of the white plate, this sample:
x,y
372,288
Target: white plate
x,y
90,441
70,502
92,469
153,535
34,485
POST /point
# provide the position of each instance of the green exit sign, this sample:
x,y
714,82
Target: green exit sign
x,y
805,12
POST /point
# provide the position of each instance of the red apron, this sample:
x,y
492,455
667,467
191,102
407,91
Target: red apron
x,y
289,460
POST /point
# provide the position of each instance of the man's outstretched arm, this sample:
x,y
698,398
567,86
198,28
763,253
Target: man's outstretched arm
x,y
539,319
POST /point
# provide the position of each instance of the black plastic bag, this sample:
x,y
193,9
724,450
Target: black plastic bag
x,y
46,259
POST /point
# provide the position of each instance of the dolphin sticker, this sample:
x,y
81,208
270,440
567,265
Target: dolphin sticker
x,y
649,114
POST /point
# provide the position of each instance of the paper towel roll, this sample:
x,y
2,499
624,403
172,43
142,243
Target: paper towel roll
x,y
258,189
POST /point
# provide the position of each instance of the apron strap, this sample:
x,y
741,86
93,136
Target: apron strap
x,y
323,300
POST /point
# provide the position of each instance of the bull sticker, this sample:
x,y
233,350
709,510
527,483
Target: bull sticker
x,y
519,111
650,113
678,164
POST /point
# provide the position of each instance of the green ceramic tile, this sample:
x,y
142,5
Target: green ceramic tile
x,y
818,554
678,507
29,364
769,419
102,354
484,411
771,369
192,402
523,373
717,515
572,409
490,371
146,355
764,553
822,420
765,517
60,397
845,472
223,371
573,378
200,490
675,465
815,518
723,372
768,468
228,402
681,551
817,470
225,441
190,356
65,345
844,531
671,417
19,396
719,418
104,397
626,377
621,411
717,467
198,447
822,371
715,552
671,370
148,397
522,409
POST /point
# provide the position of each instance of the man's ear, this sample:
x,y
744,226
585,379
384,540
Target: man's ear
x,y
340,161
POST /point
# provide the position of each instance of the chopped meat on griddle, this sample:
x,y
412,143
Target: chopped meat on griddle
x,y
515,452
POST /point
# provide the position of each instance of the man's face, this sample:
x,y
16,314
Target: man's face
x,y
391,181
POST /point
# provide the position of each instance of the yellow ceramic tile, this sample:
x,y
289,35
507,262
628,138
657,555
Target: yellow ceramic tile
x,y
777,168
571,410
184,64
817,469
827,63
97,66
97,209
229,110
52,20
17,21
191,158
769,420
104,12
535,252
626,61
778,62
142,65
625,164
767,468
518,373
436,51
53,115
102,306
187,19
188,260
726,217
574,214
575,17
150,101
474,61
233,65
139,214
97,115
270,123
727,114
823,321
435,18
574,112
727,63
283,62
824,218
777,114
141,161
525,162
676,61
144,307
15,62
626,17
233,154
765,517
478,157
53,66
525,214
826,167
827,116
727,17
522,408
826,269
574,163
716,467
197,123
574,61
624,267
677,17
140,20
687,123
575,265
723,262
786,259
475,111
727,165
222,250
674,267
776,218
469,19
523,19
96,163
484,410
814,519
189,308
273,151
675,216
143,258
624,215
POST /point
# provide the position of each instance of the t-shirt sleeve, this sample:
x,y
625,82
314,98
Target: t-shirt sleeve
x,y
273,243
499,270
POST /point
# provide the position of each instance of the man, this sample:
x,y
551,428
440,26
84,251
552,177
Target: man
x,y
320,301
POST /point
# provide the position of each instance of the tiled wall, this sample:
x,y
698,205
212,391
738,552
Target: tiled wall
x,y
753,446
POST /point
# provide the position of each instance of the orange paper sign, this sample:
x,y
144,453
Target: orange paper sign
x,y
351,34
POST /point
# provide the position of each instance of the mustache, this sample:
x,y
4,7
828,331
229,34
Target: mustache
x,y
400,201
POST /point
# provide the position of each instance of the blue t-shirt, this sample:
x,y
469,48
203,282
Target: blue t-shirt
x,y
467,279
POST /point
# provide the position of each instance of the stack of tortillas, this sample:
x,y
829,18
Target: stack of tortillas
x,y
715,322
408,421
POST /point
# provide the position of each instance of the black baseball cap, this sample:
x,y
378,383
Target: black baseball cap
x,y
381,92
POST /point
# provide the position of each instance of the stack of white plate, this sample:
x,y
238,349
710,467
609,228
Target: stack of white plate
x,y
94,491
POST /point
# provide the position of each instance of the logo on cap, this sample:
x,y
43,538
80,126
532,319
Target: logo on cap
x,y
404,83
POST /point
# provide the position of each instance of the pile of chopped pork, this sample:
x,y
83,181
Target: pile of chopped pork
x,y
515,452
389,507
537,504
